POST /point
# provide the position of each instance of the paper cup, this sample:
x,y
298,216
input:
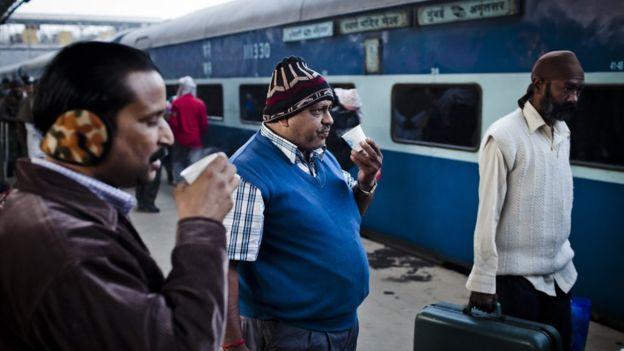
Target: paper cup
x,y
354,136
193,171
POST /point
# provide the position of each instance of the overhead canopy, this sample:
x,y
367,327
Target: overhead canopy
x,y
246,15
7,7
73,19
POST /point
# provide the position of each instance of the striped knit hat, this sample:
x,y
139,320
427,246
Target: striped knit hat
x,y
294,86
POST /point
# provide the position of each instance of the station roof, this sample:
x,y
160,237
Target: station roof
x,y
246,15
227,18
101,20
6,6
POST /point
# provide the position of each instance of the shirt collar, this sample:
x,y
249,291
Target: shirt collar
x,y
119,199
289,149
535,121
533,118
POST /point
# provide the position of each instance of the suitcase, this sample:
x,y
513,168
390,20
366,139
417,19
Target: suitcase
x,y
444,327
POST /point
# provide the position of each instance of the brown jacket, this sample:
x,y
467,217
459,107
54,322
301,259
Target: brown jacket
x,y
75,275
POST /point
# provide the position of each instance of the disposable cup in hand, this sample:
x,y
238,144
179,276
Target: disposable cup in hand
x,y
193,171
354,136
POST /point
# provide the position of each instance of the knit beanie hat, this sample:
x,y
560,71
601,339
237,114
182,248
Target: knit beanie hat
x,y
294,86
557,65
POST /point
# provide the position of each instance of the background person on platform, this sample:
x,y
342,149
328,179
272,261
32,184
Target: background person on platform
x,y
188,122
25,115
522,255
346,113
74,273
9,108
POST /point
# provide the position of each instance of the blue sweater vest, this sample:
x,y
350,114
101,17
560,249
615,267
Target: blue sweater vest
x,y
312,270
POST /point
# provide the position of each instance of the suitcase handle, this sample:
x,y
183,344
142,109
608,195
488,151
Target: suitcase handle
x,y
477,313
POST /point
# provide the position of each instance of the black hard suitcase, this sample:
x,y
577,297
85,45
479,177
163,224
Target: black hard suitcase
x,y
447,327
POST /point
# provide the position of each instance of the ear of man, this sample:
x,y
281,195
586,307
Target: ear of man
x,y
539,85
284,122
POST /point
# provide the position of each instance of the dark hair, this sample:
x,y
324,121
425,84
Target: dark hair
x,y
526,96
88,75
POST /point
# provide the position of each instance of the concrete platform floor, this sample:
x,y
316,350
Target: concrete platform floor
x,y
400,285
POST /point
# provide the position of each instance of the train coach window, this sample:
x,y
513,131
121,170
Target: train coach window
x,y
597,127
447,115
212,95
251,98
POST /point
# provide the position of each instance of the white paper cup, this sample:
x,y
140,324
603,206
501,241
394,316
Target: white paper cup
x,y
193,171
354,136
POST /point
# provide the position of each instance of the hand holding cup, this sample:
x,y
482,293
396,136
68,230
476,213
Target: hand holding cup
x,y
209,192
368,158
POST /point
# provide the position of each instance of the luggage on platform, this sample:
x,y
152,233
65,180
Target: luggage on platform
x,y
447,327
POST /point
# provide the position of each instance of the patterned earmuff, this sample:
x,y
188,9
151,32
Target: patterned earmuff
x,y
79,137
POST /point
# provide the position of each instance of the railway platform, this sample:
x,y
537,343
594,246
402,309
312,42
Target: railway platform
x,y
400,285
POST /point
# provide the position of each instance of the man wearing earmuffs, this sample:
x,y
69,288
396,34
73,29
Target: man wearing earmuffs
x,y
74,273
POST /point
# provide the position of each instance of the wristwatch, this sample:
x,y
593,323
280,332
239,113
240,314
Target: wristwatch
x,y
370,192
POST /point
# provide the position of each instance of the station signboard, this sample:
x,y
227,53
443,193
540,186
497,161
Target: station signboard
x,y
465,11
308,31
374,21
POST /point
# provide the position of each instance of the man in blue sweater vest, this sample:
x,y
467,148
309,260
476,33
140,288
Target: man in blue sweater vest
x,y
298,270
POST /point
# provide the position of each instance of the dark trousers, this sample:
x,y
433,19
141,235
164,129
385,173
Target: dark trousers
x,y
168,165
146,192
270,335
518,298
182,157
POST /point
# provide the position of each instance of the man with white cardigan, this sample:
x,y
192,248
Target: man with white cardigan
x,y
522,256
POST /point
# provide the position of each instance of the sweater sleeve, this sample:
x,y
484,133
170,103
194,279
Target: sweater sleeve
x,y
102,302
492,191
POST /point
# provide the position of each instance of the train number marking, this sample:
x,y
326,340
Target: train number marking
x,y
257,51
617,65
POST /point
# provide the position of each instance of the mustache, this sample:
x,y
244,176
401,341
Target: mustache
x,y
324,130
161,153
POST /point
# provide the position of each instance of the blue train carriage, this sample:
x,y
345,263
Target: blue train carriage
x,y
433,76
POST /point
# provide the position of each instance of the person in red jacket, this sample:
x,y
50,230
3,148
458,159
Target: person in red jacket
x,y
188,122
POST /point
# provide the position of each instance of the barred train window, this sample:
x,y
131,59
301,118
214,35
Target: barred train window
x,y
212,95
251,101
447,115
597,127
